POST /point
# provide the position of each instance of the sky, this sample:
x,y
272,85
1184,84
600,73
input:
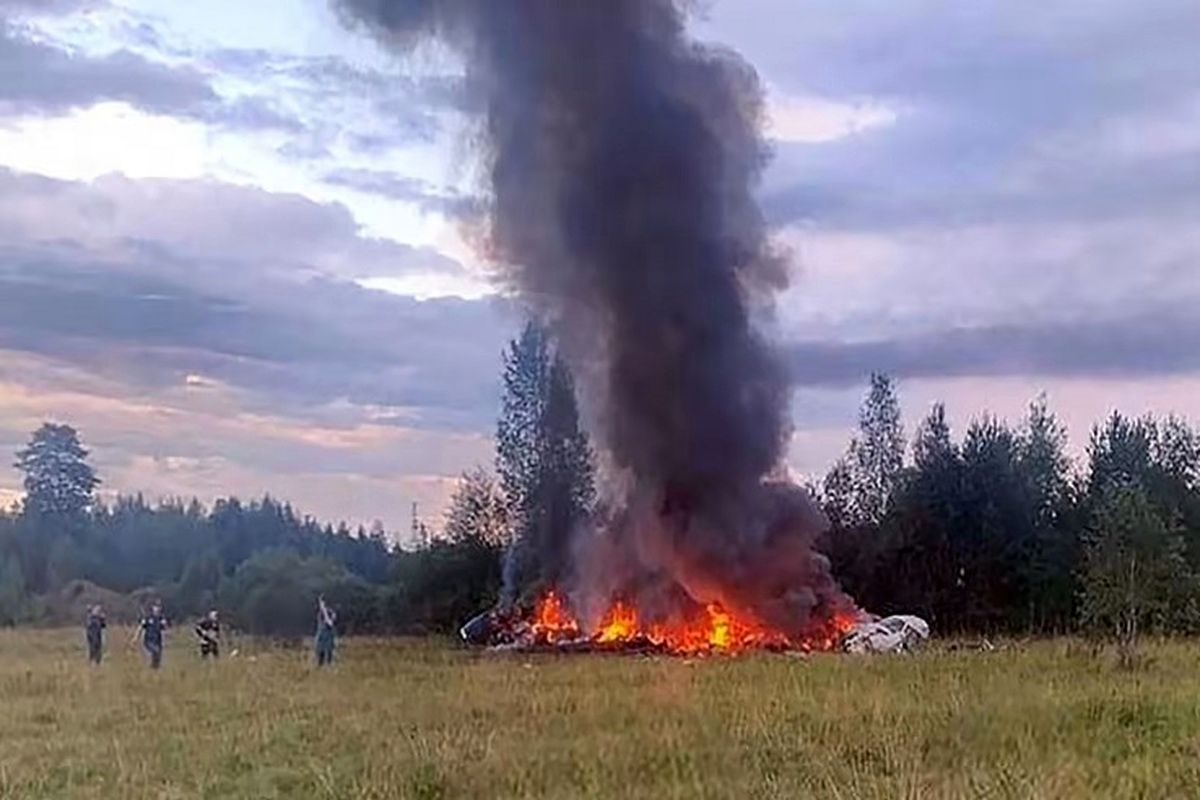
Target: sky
x,y
238,241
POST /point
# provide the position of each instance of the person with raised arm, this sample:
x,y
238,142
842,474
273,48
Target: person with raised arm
x,y
326,635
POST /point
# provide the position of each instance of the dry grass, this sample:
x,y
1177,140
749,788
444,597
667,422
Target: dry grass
x,y
426,720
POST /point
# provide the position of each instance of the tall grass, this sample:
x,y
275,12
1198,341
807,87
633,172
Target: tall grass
x,y
423,719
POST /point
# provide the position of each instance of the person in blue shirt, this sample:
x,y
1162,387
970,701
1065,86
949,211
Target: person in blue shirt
x,y
94,628
324,640
152,627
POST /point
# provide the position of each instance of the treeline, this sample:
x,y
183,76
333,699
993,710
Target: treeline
x,y
999,531
996,530
262,564
54,561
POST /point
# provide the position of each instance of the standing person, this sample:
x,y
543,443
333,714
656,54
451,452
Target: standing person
x,y
323,641
94,627
152,628
208,631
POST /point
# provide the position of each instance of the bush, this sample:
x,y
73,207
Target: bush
x,y
275,593
439,588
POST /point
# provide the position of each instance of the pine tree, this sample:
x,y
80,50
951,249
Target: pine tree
x,y
866,478
522,408
1121,452
567,451
931,505
544,462
932,447
1048,568
994,527
58,480
879,450
837,495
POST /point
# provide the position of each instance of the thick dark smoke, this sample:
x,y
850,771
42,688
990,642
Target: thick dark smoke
x,y
623,158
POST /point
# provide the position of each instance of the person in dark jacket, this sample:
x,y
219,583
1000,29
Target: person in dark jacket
x,y
208,631
94,628
152,629
324,640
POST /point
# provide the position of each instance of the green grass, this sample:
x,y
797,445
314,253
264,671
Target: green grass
x,y
423,719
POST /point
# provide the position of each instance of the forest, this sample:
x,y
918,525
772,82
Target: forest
x,y
995,531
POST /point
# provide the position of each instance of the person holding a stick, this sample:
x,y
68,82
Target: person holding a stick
x,y
323,641
94,629
151,629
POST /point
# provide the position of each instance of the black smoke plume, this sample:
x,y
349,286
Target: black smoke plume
x,y
622,160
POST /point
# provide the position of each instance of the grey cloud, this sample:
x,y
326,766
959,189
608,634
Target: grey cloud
x,y
1159,187
1145,344
310,147
295,345
391,107
47,7
252,113
151,280
40,78
207,222
372,144
1003,114
397,90
1043,168
405,189
1062,57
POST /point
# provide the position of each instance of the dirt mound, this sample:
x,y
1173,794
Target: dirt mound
x,y
70,604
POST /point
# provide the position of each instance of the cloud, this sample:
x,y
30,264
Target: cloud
x,y
155,282
180,441
816,119
204,221
405,189
208,339
391,108
896,283
313,349
1146,345
1027,210
252,114
48,7
45,78
1004,115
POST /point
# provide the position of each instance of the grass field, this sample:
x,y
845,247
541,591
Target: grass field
x,y
405,719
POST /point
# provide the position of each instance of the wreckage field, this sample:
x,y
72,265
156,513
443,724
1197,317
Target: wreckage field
x,y
426,719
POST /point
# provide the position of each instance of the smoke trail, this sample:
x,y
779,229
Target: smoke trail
x,y
623,158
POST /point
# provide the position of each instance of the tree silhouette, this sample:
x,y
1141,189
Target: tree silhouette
x,y
861,484
58,479
477,512
543,459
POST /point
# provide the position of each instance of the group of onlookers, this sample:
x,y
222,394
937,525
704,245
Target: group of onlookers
x,y
151,630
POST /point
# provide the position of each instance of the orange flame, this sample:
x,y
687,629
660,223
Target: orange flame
x,y
552,622
716,630
620,624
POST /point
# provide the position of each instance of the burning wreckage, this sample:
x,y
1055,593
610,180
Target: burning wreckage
x,y
551,627
621,159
